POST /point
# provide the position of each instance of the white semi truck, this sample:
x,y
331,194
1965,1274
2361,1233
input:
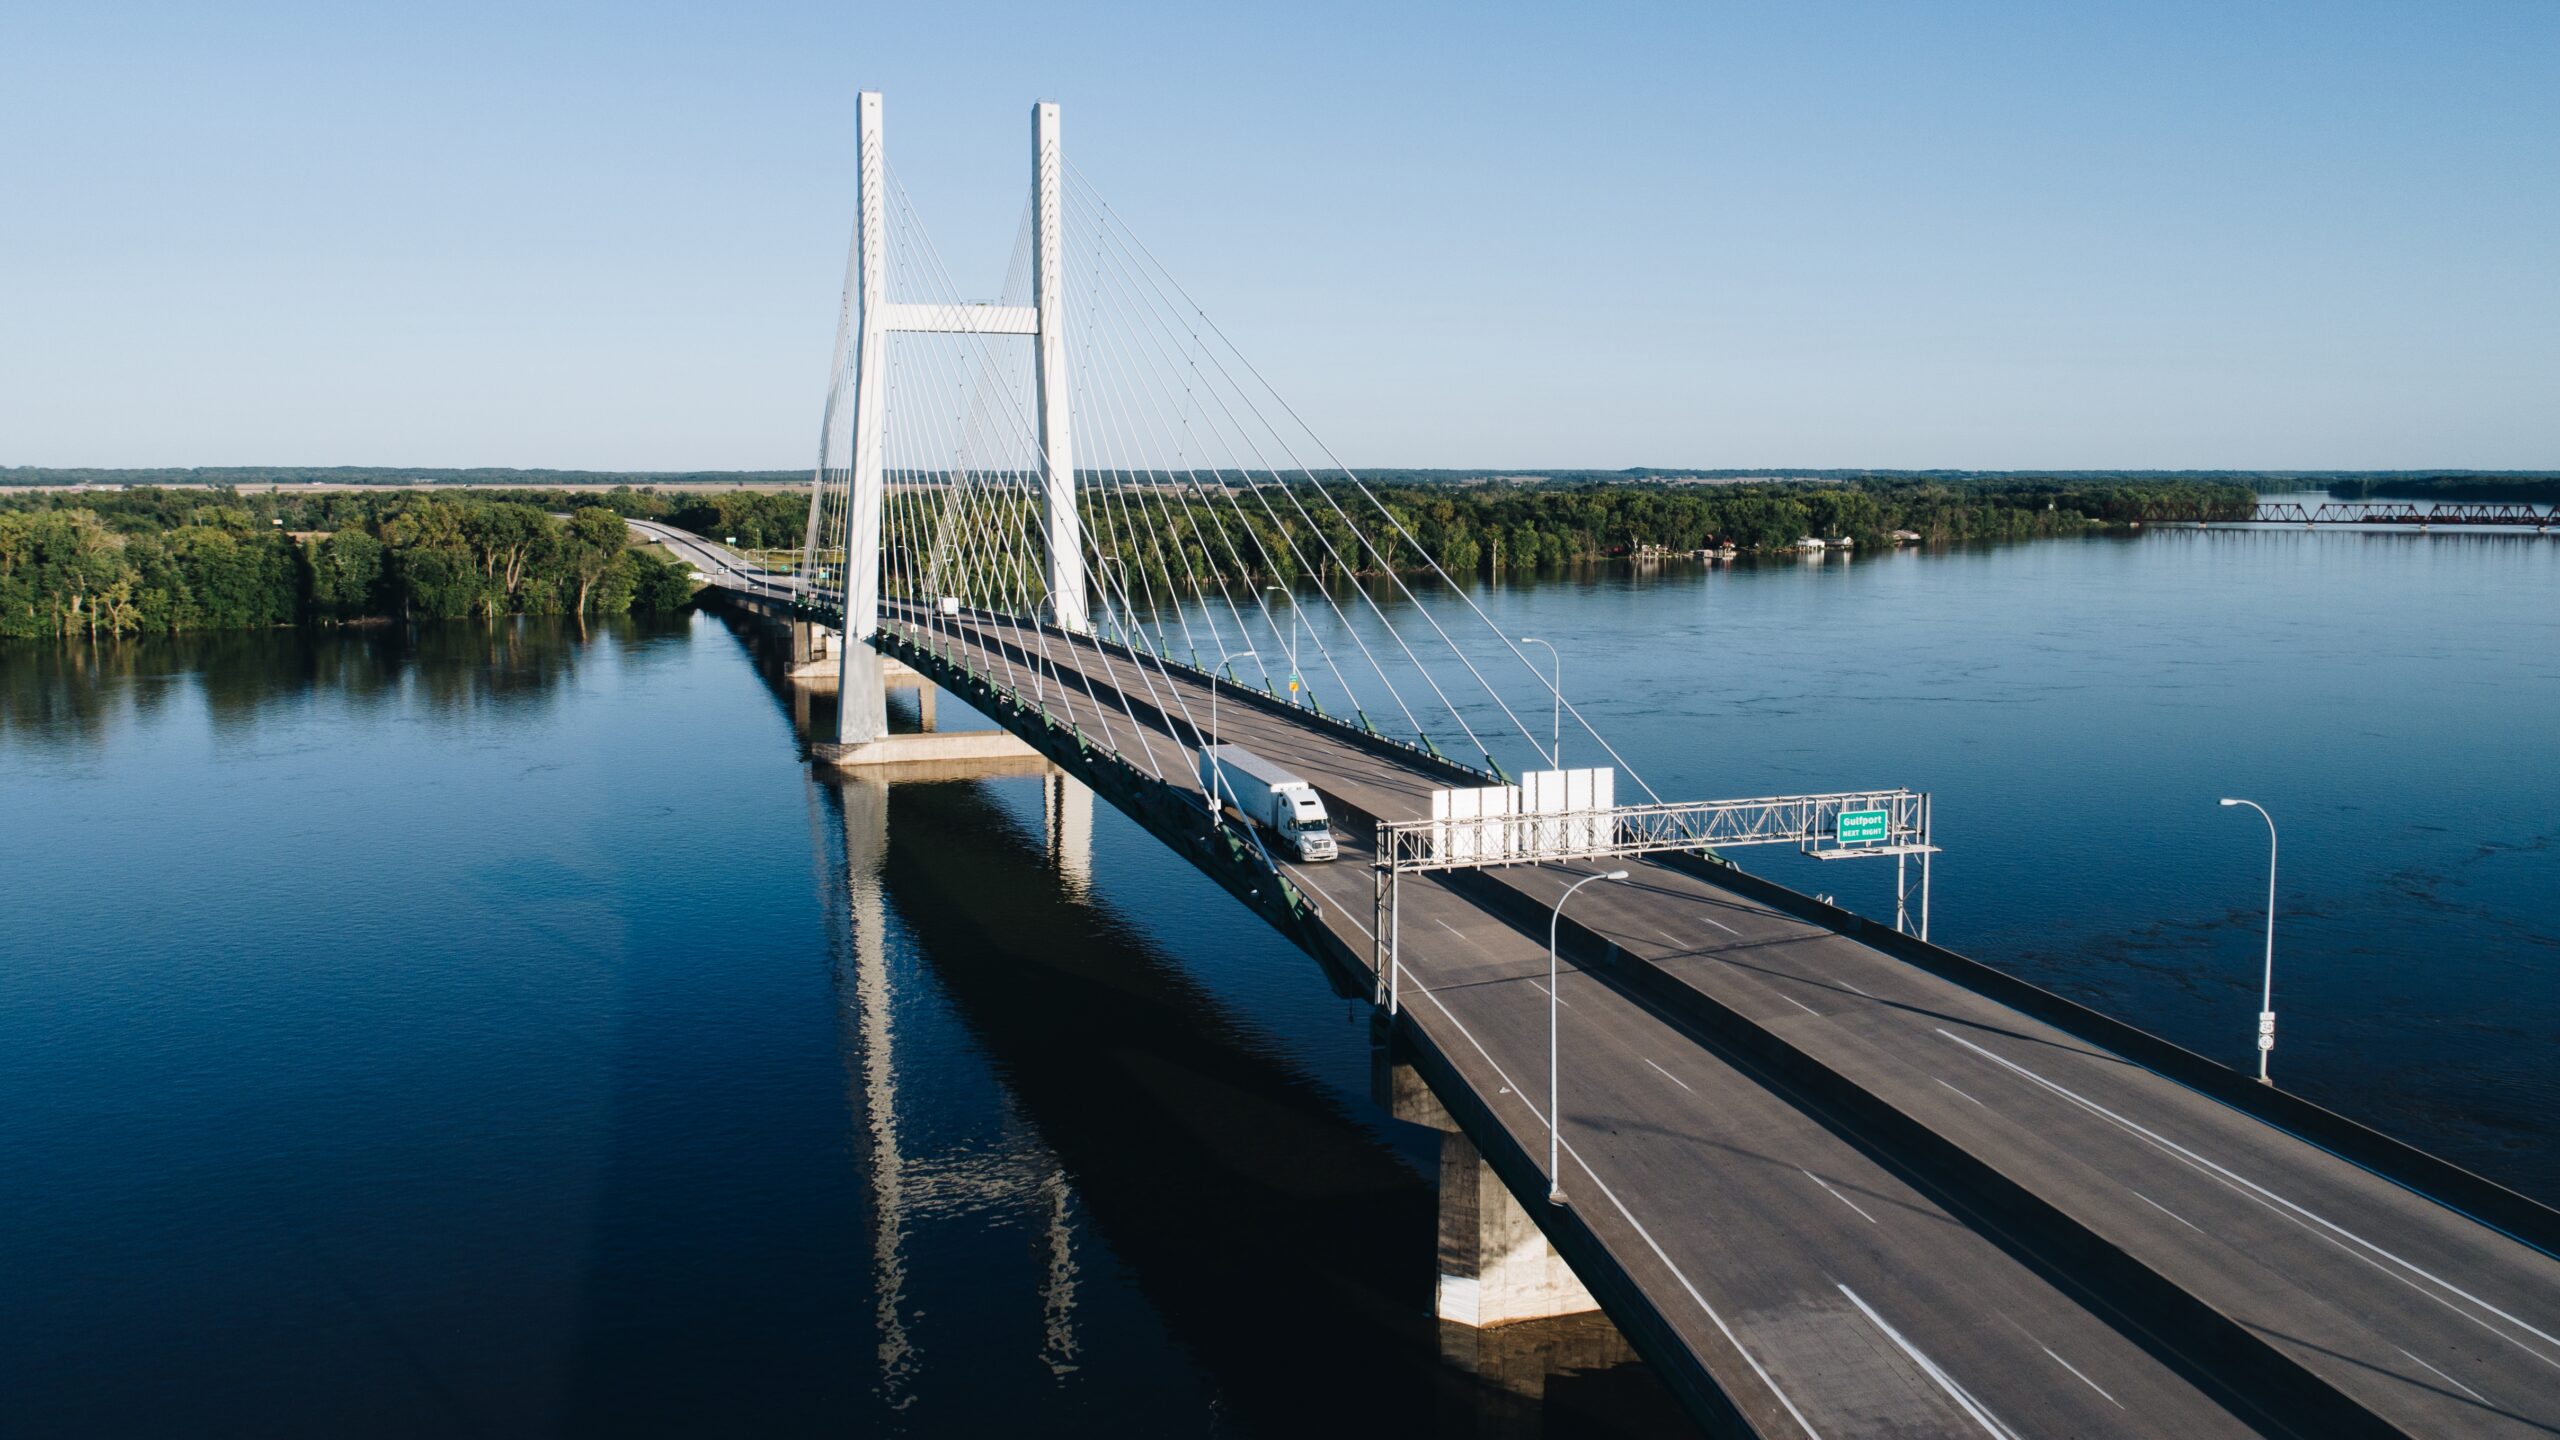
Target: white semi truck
x,y
1268,796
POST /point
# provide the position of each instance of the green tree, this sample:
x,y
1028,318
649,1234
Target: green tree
x,y
347,575
597,537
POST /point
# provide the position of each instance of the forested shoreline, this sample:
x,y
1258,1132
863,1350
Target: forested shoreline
x,y
1486,529
1489,528
164,561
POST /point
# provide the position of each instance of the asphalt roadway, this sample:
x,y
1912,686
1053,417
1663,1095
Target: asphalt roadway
x,y
1829,1276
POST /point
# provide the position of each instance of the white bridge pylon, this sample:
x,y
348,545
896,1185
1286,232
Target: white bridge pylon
x,y
870,315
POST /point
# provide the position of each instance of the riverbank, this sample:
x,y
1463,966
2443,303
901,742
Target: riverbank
x,y
166,562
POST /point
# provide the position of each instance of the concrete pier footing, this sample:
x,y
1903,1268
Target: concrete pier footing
x,y
921,750
929,745
816,666
1496,1266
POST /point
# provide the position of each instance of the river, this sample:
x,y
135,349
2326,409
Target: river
x,y
499,1030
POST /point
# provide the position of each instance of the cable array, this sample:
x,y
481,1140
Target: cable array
x,y
1218,534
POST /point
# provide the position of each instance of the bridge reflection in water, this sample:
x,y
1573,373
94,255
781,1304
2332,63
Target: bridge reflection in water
x,y
1282,1235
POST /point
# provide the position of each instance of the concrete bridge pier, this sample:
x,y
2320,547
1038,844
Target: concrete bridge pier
x,y
896,675
929,746
813,655
1496,1266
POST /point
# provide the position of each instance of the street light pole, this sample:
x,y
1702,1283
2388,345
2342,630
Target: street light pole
x,y
1217,775
2267,997
1555,757
1293,637
1555,1117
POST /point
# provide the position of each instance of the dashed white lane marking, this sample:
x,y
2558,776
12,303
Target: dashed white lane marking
x,y
1809,1010
1951,1087
1541,989
1667,1075
1836,1195
2094,1385
2165,1210
2449,1380
1445,925
1957,1393
1853,987
2338,1234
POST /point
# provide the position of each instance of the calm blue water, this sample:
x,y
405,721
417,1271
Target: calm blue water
x,y
498,1031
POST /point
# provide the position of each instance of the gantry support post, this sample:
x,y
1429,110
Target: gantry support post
x,y
1395,942
862,711
1377,934
1057,439
1901,896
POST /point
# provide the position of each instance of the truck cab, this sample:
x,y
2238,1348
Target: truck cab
x,y
1307,827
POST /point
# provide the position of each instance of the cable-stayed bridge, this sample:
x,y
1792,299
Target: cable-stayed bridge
x,y
1832,1180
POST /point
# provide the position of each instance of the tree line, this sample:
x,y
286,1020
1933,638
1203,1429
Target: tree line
x,y
477,478
1493,528
2494,489
1168,539
160,561
152,559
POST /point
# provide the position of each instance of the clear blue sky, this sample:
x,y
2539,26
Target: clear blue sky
x,y
2157,235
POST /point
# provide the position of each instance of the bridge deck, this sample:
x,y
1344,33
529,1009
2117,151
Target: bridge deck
x,y
1781,1235
1739,1144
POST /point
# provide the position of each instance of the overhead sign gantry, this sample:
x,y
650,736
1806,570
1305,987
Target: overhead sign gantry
x,y
1557,816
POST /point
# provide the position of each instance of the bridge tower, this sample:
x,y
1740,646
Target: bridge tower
x,y
861,714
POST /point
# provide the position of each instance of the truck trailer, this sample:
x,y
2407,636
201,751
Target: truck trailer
x,y
1268,796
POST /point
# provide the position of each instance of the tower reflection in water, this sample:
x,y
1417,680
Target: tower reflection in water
x,y
1207,1230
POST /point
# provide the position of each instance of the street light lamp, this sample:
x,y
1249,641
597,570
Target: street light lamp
x,y
1555,1117
2267,997
1555,745
1217,775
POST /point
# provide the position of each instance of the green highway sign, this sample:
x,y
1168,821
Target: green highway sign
x,y
1861,827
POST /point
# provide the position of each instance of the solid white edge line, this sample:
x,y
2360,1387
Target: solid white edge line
x,y
1981,1416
